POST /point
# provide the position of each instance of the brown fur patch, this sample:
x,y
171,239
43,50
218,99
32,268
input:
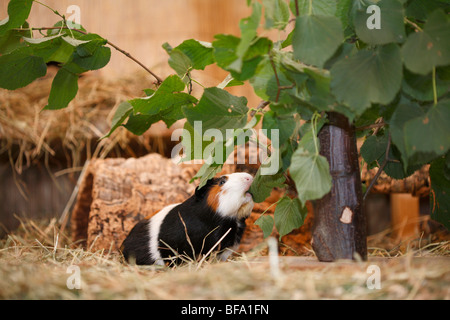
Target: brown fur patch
x,y
213,197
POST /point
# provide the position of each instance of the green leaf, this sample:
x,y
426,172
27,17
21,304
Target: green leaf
x,y
190,54
392,25
20,68
318,85
427,137
74,42
123,111
64,89
200,53
138,124
218,109
342,11
263,184
309,140
62,54
311,173
285,124
420,10
18,12
40,40
404,112
99,58
193,143
229,81
430,48
266,223
369,76
440,193
248,28
264,82
420,87
206,172
51,48
225,47
374,150
316,38
179,62
86,44
12,39
288,215
167,96
316,7
276,14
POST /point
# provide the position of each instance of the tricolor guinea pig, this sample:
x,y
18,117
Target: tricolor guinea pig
x,y
194,227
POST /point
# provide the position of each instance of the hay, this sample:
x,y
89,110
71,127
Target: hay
x,y
34,263
28,133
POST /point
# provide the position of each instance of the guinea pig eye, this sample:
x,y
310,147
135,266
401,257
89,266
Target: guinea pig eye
x,y
222,182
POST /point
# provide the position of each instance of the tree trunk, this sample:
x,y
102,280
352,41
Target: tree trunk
x,y
339,230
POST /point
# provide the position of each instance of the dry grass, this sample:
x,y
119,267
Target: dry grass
x,y
33,133
34,262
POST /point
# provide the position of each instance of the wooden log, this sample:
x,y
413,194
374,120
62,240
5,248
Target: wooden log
x,y
339,230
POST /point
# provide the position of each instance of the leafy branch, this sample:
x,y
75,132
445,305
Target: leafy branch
x,y
158,79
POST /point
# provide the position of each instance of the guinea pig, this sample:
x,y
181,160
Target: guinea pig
x,y
194,227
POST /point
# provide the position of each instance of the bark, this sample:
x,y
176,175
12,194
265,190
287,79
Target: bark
x,y
339,230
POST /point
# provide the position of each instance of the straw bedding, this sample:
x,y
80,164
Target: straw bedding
x,y
29,133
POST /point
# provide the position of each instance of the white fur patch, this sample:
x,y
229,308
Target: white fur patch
x,y
233,195
154,228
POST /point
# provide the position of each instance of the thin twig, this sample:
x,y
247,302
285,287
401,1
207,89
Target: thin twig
x,y
187,235
158,79
297,11
276,78
381,168
261,106
217,243
372,126
416,27
53,10
65,214
434,86
190,82
279,86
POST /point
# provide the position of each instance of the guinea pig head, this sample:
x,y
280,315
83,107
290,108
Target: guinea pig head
x,y
228,195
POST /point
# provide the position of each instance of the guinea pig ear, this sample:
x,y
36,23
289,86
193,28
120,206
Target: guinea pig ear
x,y
201,192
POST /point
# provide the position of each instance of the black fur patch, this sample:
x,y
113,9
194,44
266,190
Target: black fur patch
x,y
137,244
